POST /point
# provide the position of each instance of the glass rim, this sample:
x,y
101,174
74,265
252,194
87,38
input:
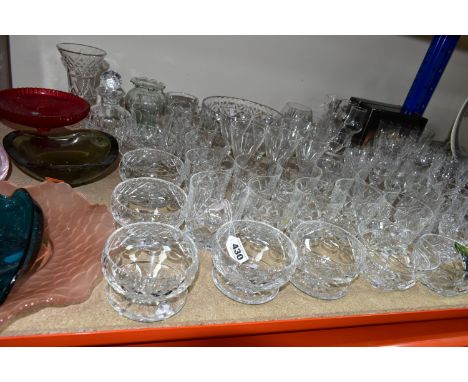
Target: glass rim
x,y
193,254
67,47
119,186
320,223
254,224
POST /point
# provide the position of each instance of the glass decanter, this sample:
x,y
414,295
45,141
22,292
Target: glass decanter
x,y
147,102
108,115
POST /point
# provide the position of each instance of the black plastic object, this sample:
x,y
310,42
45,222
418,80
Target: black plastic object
x,y
77,157
384,112
21,230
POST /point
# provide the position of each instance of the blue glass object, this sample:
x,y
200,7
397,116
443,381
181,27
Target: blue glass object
x,y
21,230
429,74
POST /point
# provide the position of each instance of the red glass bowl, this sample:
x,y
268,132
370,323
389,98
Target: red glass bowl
x,y
42,108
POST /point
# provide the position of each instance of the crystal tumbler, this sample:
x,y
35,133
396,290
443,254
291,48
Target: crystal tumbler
x,y
148,200
252,260
265,199
207,205
442,264
329,259
203,159
152,163
148,268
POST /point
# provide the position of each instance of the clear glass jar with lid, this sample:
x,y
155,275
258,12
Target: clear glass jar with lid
x,y
147,102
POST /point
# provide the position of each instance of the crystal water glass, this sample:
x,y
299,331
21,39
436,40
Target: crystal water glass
x,y
388,264
207,205
152,163
310,149
329,259
252,260
291,171
149,268
281,141
148,200
182,101
245,136
350,199
310,201
442,264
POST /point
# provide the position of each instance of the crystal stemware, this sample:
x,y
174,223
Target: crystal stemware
x,y
252,260
149,268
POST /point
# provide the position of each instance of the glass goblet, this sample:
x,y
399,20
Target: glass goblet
x,y
268,260
149,268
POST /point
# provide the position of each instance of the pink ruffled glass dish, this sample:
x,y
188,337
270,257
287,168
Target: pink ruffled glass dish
x,y
68,266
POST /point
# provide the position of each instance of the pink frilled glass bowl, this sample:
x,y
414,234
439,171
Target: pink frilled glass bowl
x,y
68,266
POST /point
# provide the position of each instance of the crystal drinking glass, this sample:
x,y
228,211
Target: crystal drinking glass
x,y
207,206
329,259
204,159
149,268
281,141
84,66
184,101
148,200
310,201
252,261
265,199
154,164
442,264
389,263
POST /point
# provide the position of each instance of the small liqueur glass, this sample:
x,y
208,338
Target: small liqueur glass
x,y
148,200
207,206
388,264
442,264
149,268
329,259
268,262
152,163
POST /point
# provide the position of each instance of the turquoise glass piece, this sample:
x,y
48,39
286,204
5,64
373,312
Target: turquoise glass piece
x,y
21,230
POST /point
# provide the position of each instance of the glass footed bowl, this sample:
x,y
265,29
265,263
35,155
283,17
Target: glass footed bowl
x,y
148,267
442,264
148,200
270,262
329,259
152,163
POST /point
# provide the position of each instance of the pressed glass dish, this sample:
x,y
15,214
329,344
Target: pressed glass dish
x,y
152,163
42,108
270,264
329,259
148,200
148,267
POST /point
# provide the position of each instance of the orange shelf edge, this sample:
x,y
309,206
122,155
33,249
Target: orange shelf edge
x,y
294,332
